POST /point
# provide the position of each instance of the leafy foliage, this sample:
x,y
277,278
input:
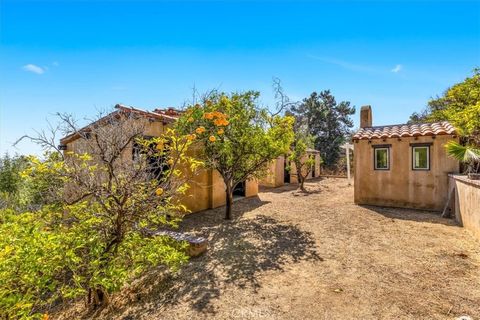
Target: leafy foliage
x,y
10,168
459,105
470,155
328,121
21,192
239,139
93,231
301,159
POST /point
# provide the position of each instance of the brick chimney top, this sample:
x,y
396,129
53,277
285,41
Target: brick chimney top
x,y
366,117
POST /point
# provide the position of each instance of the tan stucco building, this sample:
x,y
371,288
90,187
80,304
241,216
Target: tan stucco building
x,y
207,189
278,174
402,165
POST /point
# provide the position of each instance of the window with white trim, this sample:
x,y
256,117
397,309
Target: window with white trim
x,y
381,158
421,158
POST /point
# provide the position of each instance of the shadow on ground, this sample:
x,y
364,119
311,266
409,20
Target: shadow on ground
x,y
411,214
230,259
311,186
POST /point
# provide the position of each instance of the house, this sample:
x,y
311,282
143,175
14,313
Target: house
x,y
402,165
278,174
207,189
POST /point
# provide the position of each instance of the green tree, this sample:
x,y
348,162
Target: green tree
x,y
328,122
298,155
460,105
24,194
239,138
96,231
10,168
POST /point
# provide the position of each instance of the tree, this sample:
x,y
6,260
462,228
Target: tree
x,y
460,105
22,194
327,121
118,188
239,139
298,155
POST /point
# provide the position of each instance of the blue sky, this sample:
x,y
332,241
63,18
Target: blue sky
x,y
82,56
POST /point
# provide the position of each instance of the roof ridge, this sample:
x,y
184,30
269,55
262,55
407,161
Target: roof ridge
x,y
406,124
405,130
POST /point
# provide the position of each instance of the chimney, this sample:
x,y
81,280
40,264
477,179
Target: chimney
x,y
366,117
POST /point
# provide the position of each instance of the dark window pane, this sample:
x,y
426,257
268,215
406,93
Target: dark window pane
x,y
381,158
420,157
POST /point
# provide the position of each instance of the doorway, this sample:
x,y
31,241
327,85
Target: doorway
x,y
313,167
286,171
240,189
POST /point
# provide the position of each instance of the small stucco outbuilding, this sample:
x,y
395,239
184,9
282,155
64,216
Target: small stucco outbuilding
x,y
402,165
278,174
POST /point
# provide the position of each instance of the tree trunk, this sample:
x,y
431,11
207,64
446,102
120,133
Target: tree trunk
x,y
300,178
302,181
97,297
228,201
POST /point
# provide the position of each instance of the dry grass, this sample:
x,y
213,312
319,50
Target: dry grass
x,y
287,255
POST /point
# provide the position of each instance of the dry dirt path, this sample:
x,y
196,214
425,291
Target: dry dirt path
x,y
316,256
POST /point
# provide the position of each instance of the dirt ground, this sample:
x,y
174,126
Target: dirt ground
x,y
317,256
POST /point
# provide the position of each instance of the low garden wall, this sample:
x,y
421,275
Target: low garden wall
x,y
466,204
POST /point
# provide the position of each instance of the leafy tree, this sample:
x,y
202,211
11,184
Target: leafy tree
x,y
10,181
100,220
328,122
239,139
460,105
10,168
298,155
20,193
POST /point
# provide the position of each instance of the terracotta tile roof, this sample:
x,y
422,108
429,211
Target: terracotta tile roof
x,y
169,115
404,130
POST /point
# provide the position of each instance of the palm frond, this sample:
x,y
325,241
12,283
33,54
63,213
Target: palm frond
x,y
462,153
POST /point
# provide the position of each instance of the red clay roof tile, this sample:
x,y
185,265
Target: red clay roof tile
x,y
404,130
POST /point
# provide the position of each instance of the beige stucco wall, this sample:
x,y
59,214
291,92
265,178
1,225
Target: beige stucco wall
x,y
293,170
401,186
218,197
467,203
207,189
275,176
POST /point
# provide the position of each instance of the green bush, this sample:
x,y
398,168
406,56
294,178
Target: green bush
x,y
82,226
44,257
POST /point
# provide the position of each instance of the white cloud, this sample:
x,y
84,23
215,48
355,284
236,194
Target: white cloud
x,y
397,68
33,68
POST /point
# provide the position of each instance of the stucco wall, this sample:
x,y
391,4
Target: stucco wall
x,y
207,189
401,186
467,203
275,176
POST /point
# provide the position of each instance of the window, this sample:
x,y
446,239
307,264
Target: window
x,y
421,158
156,164
382,161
